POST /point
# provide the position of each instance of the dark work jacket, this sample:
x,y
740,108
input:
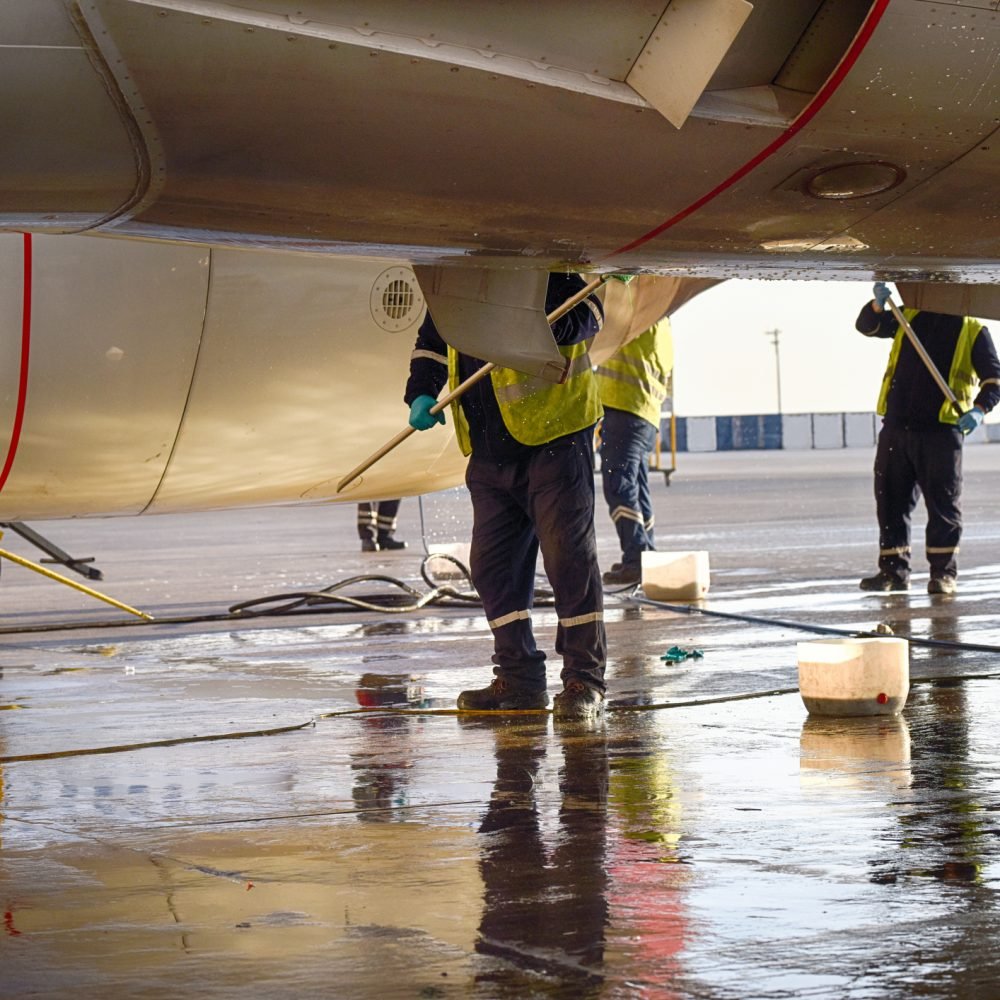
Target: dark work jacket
x,y
487,431
914,399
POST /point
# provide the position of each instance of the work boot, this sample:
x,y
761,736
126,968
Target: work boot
x,y
622,576
884,582
502,696
578,701
390,544
369,545
942,585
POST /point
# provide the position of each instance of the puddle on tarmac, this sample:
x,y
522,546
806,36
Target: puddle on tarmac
x,y
724,850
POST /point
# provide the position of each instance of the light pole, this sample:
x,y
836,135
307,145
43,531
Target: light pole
x,y
775,335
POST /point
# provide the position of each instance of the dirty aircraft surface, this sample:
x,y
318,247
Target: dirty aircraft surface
x,y
221,222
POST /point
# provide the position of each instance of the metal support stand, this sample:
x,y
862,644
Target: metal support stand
x,y
52,575
656,460
59,557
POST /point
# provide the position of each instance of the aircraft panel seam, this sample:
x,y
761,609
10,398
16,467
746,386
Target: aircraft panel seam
x,y
142,134
190,391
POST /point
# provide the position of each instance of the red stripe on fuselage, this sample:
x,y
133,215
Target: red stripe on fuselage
x,y
22,384
808,113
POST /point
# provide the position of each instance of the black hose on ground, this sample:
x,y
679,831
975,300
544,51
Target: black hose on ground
x,y
688,609
325,600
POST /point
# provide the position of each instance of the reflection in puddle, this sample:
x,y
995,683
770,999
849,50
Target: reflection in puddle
x,y
381,773
945,832
543,863
872,753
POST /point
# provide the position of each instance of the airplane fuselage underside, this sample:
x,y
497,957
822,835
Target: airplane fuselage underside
x,y
513,133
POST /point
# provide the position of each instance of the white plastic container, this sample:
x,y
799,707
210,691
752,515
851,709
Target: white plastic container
x,y
865,676
675,576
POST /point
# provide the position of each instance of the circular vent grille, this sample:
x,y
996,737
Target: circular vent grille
x,y
396,302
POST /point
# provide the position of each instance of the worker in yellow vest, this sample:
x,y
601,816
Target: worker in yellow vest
x,y
919,447
531,479
633,384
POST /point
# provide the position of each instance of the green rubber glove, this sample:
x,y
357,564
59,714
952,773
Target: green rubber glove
x,y
881,293
970,420
421,418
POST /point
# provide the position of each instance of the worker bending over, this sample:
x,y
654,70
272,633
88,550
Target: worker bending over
x,y
633,384
920,444
531,479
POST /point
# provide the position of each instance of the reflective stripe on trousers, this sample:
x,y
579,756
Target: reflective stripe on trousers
x,y
626,441
377,519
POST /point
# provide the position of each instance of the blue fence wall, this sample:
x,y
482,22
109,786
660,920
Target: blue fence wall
x,y
787,431
744,433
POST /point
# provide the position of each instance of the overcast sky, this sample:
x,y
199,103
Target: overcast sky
x,y
725,361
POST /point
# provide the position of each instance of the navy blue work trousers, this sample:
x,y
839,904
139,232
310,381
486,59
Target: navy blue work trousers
x,y
626,442
908,463
544,500
377,519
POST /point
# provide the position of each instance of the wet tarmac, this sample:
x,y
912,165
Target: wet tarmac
x,y
287,806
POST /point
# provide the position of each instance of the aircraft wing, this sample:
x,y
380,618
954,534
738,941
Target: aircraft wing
x,y
825,137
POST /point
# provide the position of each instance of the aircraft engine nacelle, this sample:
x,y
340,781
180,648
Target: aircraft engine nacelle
x,y
159,377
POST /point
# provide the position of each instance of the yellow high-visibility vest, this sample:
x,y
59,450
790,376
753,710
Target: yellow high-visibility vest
x,y
961,376
534,410
636,378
